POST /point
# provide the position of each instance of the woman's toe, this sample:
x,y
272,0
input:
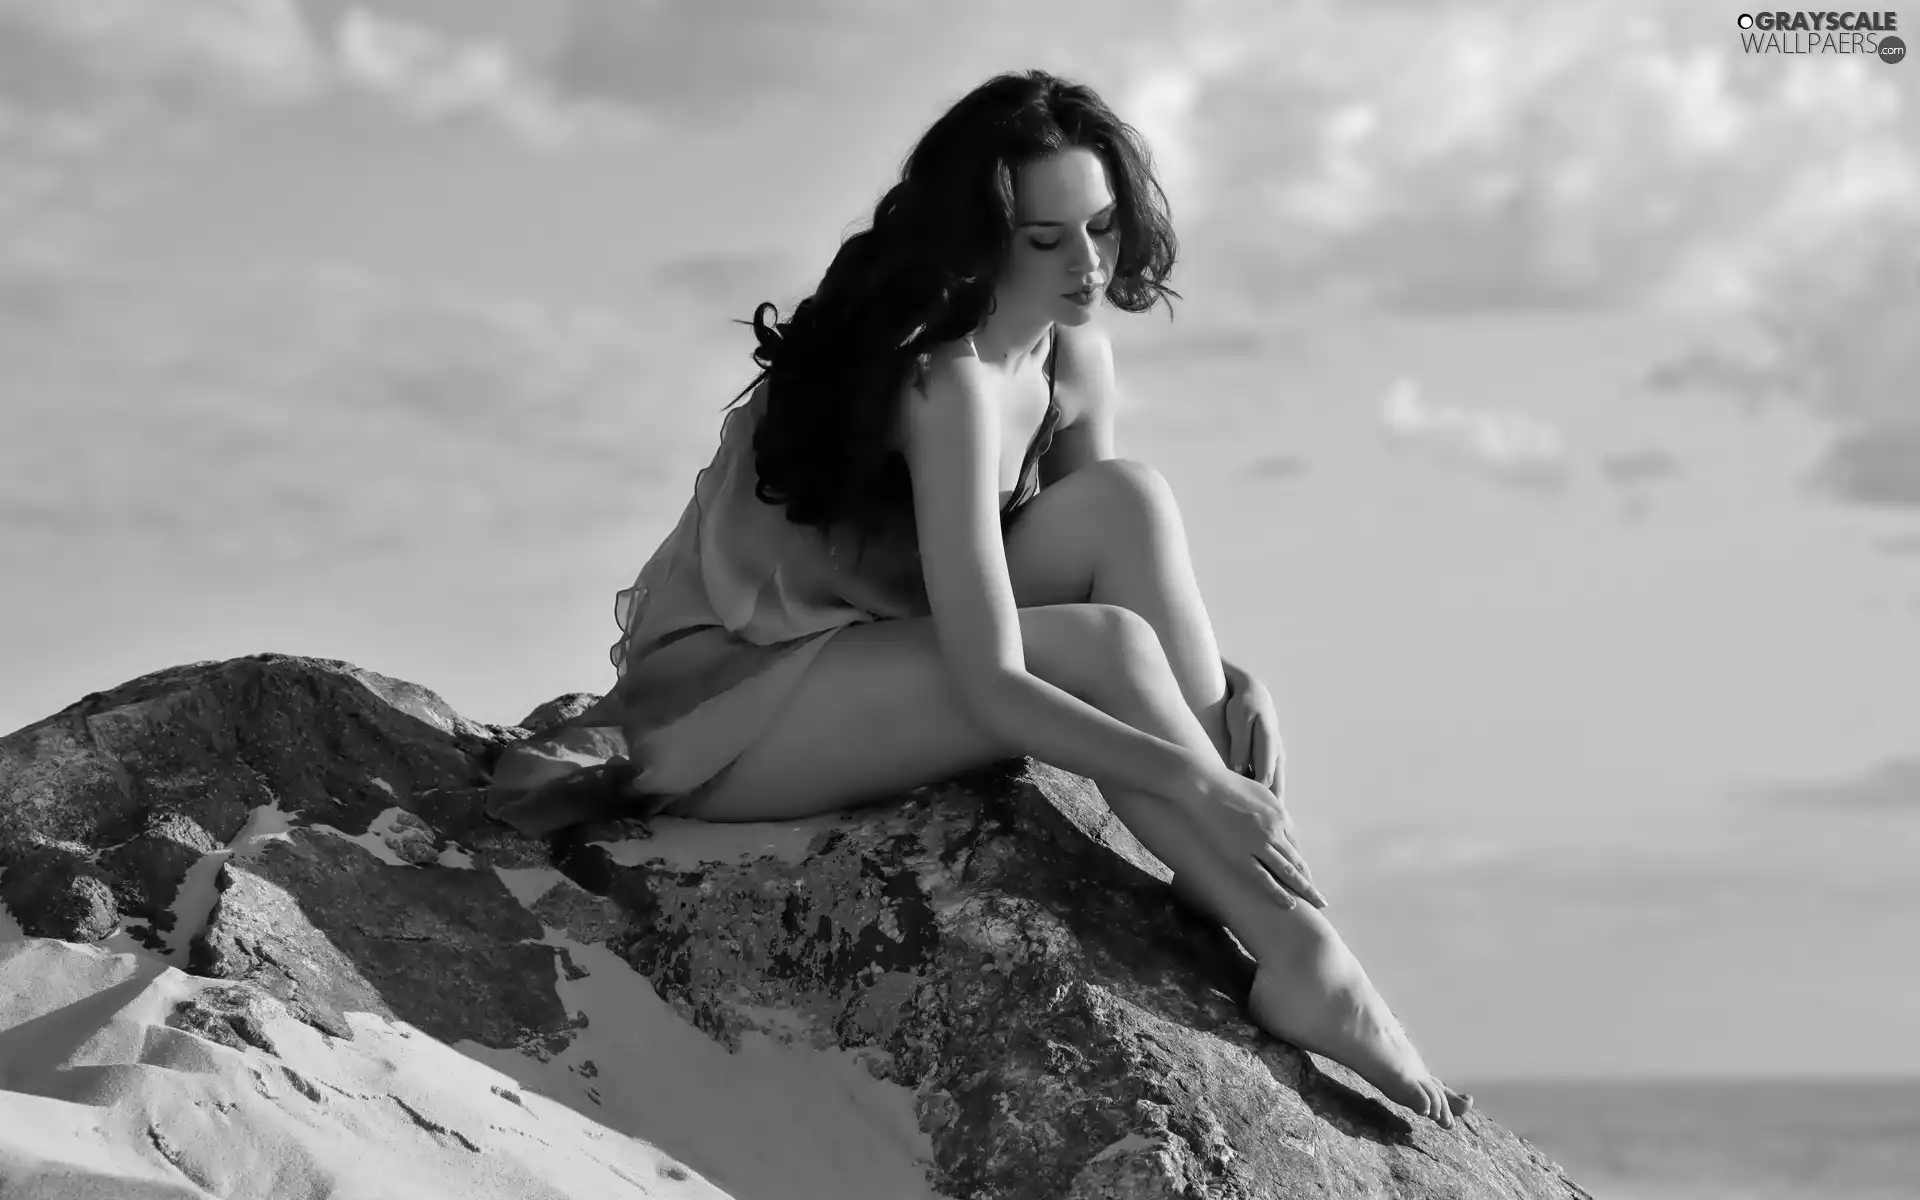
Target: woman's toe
x,y
1429,1100
1418,1097
1459,1102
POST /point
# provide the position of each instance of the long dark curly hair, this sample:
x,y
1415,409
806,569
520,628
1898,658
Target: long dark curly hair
x,y
923,274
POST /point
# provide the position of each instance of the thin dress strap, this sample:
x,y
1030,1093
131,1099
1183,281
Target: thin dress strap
x,y
1053,347
1028,484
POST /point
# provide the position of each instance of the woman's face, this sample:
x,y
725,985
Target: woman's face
x,y
1065,238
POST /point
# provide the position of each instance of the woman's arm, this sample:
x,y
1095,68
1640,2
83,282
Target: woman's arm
x,y
1084,365
1086,435
952,442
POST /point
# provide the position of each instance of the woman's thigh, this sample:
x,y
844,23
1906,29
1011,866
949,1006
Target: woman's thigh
x,y
878,713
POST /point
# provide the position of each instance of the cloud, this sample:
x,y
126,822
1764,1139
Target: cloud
x,y
1632,471
694,63
1876,463
726,277
1496,155
1276,467
81,133
176,55
1831,326
1511,894
101,102
1466,155
347,415
1907,544
176,64
1838,323
1511,448
1634,467
432,77
1475,895
1709,368
1893,786
1415,853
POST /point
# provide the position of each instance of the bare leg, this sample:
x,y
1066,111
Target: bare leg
x,y
1132,552
877,714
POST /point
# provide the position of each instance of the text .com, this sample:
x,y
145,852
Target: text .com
x,y
1870,33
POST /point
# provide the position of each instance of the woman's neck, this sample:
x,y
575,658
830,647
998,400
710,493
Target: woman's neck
x,y
1010,349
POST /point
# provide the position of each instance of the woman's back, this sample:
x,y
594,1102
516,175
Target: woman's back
x,y
736,561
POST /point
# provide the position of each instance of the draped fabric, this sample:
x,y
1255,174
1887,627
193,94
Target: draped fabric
x,y
724,619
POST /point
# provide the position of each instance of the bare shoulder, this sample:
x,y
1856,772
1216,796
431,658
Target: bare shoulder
x,y
943,361
945,384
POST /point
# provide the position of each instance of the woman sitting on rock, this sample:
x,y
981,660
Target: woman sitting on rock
x,y
916,553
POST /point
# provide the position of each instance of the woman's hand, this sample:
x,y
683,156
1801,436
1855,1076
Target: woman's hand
x,y
1239,816
1253,733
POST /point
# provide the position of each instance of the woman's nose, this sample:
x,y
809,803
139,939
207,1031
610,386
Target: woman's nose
x,y
1085,256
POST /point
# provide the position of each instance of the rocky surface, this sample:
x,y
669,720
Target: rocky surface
x,y
315,836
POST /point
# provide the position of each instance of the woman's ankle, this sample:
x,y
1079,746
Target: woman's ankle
x,y
1300,944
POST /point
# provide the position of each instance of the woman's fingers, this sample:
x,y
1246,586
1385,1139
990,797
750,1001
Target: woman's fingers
x,y
1278,865
1277,889
1299,863
1299,856
1285,849
1300,860
1239,748
1289,842
1294,850
1274,879
1259,754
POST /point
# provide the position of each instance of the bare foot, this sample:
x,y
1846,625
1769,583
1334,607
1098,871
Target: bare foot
x,y
1325,1003
1310,990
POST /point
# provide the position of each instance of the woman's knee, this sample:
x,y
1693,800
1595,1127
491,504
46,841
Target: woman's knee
x,y
1134,485
1098,652
1108,510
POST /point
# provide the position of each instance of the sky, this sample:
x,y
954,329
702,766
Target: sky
x,y
1539,403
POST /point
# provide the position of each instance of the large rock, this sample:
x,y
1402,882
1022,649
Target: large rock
x,y
999,946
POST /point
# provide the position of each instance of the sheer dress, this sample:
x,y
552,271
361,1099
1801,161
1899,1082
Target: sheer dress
x,y
725,618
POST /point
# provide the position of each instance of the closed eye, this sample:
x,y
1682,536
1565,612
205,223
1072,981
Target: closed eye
x,y
1112,228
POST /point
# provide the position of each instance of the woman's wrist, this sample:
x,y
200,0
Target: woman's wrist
x,y
1197,779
